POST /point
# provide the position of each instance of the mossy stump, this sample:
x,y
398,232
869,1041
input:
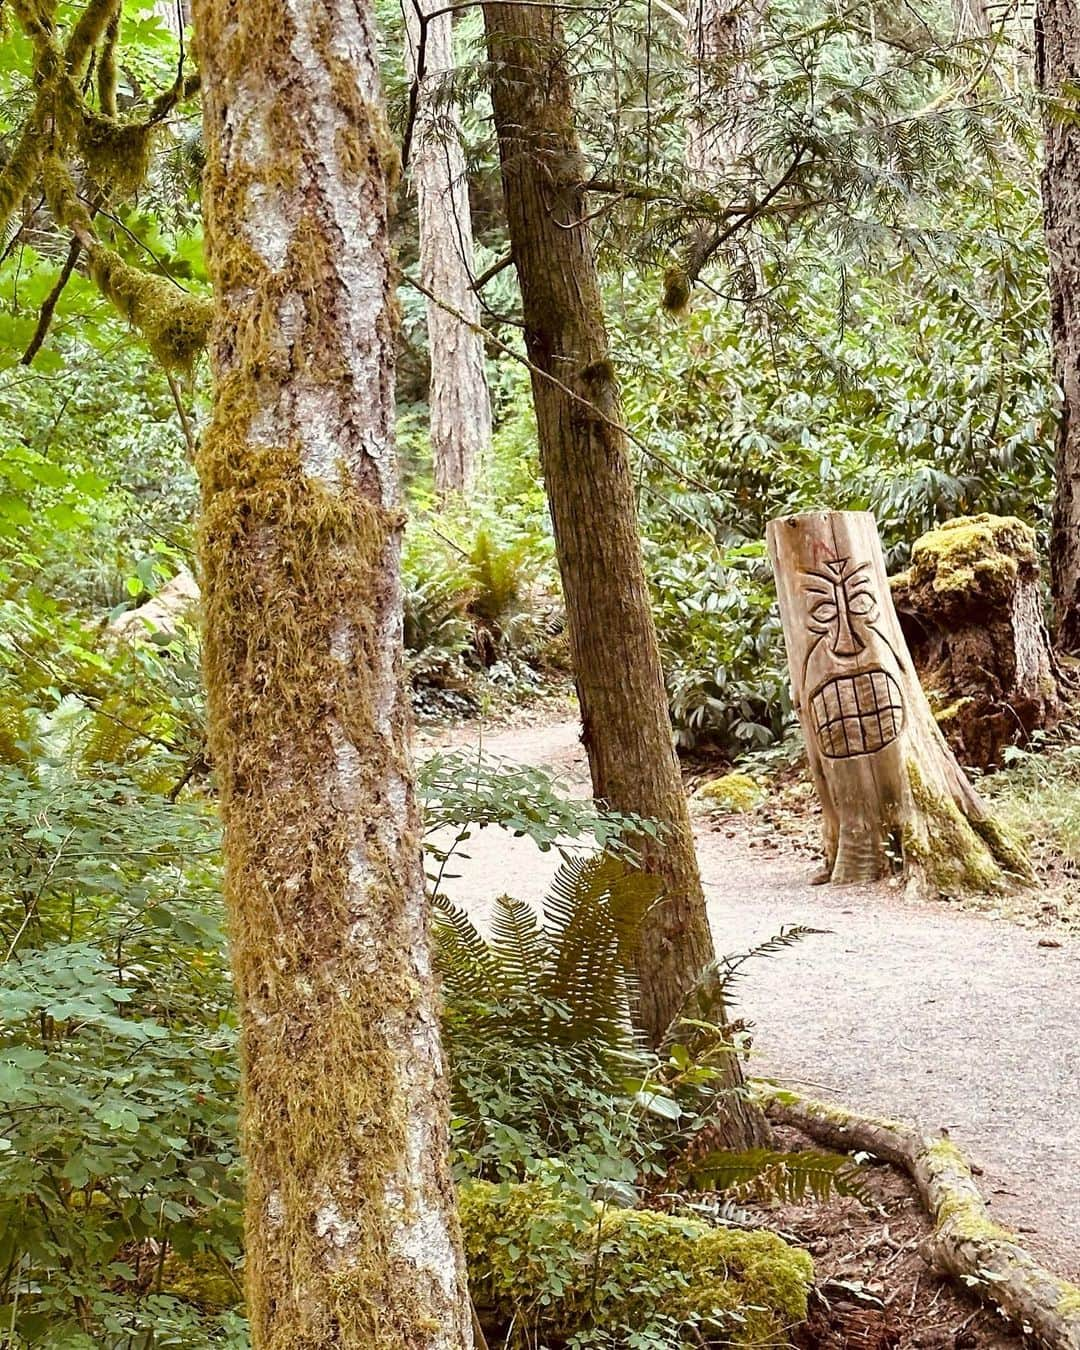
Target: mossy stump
x,y
893,798
970,608
544,1268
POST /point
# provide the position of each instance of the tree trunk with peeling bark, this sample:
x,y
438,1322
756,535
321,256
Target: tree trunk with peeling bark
x,y
620,682
458,399
1057,65
351,1229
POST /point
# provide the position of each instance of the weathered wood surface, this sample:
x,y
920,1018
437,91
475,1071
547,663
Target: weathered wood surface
x,y
893,797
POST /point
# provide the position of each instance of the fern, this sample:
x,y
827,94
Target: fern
x,y
517,943
767,1174
592,919
575,969
469,967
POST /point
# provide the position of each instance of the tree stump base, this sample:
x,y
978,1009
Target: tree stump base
x,y
893,798
970,607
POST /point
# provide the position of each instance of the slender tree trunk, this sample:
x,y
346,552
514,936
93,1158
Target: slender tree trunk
x,y
351,1231
174,14
620,683
970,19
1057,63
458,398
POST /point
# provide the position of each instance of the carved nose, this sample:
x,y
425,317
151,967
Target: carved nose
x,y
846,642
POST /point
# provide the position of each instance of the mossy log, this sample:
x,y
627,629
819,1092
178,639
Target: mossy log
x,y
966,1244
547,1271
970,607
893,798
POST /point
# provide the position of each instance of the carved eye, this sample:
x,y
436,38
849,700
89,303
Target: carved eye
x,y
861,604
824,611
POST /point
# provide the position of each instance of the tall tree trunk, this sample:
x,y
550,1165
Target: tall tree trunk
x,y
620,683
352,1236
1057,64
174,14
721,36
460,407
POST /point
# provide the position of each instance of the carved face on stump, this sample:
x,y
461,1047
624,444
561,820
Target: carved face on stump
x,y
851,679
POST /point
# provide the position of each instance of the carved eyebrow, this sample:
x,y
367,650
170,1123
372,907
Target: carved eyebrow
x,y
817,590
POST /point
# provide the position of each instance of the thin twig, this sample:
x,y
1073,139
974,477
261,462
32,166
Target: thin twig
x,y
48,309
185,421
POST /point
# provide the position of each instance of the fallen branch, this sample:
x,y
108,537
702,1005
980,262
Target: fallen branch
x,y
965,1244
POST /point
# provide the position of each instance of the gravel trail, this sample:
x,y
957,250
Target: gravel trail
x,y
903,1009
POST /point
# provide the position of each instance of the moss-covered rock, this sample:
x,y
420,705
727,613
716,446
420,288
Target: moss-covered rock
x,y
549,1269
732,792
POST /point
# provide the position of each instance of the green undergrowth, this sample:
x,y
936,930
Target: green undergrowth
x,y
606,1276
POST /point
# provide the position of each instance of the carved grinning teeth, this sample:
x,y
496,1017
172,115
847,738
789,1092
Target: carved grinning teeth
x,y
857,714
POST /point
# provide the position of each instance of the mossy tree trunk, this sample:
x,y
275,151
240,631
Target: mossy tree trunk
x,y
351,1232
892,796
625,726
1057,66
458,399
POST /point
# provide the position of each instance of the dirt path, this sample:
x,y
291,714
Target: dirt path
x,y
902,1009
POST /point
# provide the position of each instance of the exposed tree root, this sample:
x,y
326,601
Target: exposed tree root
x,y
966,1244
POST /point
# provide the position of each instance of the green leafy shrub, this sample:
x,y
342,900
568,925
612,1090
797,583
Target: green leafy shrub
x,y
607,1276
117,1062
722,646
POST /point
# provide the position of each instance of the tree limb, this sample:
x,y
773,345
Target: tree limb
x,y
45,318
965,1244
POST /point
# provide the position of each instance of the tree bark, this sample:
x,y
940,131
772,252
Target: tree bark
x,y
625,726
721,36
1057,63
458,400
351,1229
892,795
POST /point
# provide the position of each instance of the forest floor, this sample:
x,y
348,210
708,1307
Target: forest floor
x,y
960,1020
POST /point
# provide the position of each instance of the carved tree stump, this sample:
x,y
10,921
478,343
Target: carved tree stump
x,y
893,798
970,607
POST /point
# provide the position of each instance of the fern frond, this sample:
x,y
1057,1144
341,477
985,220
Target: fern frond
x,y
468,966
517,943
592,919
790,1177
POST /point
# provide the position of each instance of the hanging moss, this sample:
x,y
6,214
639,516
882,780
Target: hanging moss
x,y
62,197
116,154
107,69
175,324
18,175
92,24
676,299
622,1268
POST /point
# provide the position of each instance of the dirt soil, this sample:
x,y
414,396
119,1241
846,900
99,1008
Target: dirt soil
x,y
921,1010
873,1290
